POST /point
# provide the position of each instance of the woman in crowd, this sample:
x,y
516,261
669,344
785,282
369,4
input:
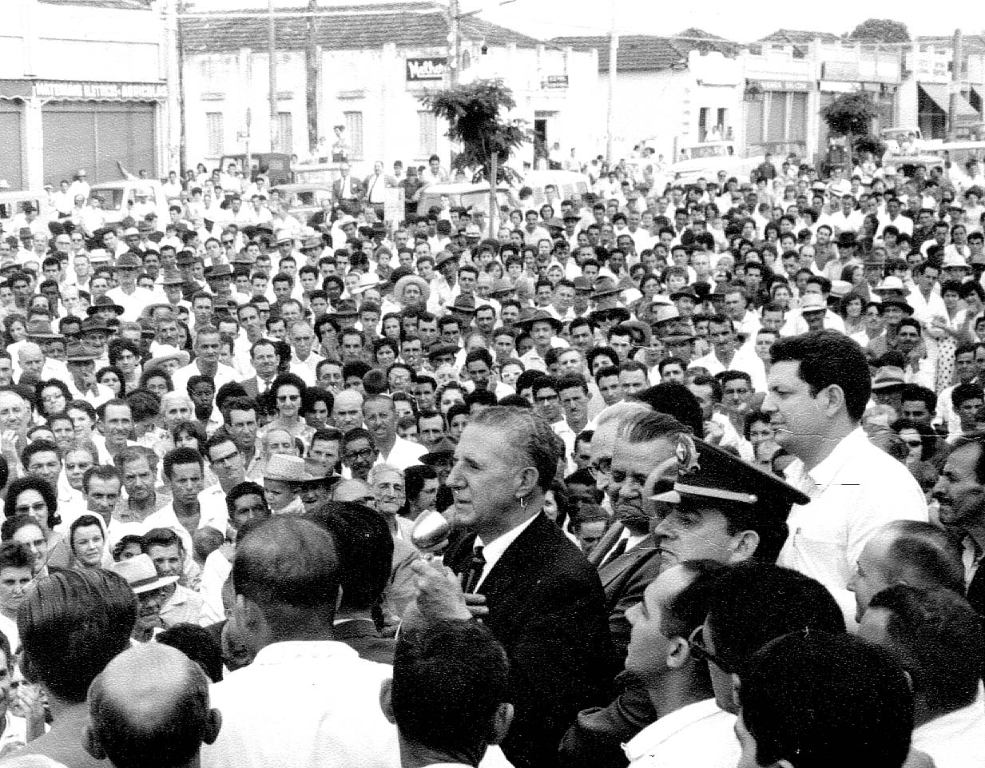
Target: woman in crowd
x,y
87,541
33,497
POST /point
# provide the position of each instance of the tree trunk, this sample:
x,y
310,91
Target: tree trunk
x,y
493,208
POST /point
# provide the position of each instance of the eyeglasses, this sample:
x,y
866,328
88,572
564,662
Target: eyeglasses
x,y
365,453
700,651
225,460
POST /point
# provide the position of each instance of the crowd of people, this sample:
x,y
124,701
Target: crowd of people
x,y
641,477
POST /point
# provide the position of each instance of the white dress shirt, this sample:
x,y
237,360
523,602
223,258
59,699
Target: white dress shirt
x,y
319,708
955,740
494,550
403,454
700,734
853,491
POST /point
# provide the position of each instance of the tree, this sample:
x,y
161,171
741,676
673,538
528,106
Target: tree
x,y
473,114
851,116
881,31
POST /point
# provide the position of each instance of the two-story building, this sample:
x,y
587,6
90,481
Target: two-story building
x,y
367,67
84,84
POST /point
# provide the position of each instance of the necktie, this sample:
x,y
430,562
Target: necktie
x,y
473,572
372,188
617,551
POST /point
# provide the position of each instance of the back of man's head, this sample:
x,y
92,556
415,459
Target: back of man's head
x,y
756,602
450,688
150,709
71,624
937,637
365,550
922,555
288,568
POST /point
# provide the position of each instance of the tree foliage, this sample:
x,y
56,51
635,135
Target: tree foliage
x,y
881,31
851,114
473,114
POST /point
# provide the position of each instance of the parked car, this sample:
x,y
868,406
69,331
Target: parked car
x,y
276,166
706,159
461,194
12,203
118,197
303,200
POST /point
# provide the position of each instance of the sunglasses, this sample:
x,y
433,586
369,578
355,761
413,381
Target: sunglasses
x,y
700,651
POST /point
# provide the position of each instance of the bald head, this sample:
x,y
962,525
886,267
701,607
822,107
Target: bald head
x,y
29,351
149,708
352,490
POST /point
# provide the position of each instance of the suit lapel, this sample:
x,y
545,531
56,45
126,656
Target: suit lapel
x,y
520,558
606,543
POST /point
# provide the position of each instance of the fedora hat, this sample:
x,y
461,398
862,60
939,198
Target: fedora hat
x,y
75,352
140,573
104,303
541,316
887,377
605,286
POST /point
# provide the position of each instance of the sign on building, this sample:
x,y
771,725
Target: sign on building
x,y
429,69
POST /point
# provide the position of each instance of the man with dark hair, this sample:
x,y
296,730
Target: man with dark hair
x,y
910,552
449,695
819,386
918,403
149,708
365,547
72,624
180,604
937,638
286,578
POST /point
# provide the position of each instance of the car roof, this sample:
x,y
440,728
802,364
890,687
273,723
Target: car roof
x,y
327,187
458,188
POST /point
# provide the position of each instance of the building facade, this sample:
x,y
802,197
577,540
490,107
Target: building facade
x,y
370,66
84,84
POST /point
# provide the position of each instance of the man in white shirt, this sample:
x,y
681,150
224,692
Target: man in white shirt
x,y
380,416
819,386
690,728
935,634
207,346
335,720
128,294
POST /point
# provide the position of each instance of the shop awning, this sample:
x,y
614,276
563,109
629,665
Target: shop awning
x,y
937,93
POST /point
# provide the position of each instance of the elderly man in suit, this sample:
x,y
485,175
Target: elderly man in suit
x,y
534,589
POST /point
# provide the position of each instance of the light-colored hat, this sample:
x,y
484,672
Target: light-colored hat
x,y
662,313
283,236
403,282
165,353
887,377
141,574
891,283
812,303
840,288
367,281
955,261
286,469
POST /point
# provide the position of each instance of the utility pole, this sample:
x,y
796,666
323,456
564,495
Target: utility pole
x,y
613,71
311,76
952,112
454,42
272,55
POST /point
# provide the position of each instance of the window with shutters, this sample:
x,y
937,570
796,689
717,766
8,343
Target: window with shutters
x,y
427,143
285,132
354,131
213,129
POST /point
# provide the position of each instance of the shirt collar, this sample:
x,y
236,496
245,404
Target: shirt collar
x,y
496,548
658,732
825,472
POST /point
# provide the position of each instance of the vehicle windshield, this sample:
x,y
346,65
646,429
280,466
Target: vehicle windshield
x,y
703,151
309,198
109,199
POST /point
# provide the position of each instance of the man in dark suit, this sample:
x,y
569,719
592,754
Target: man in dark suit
x,y
631,558
531,586
347,191
961,498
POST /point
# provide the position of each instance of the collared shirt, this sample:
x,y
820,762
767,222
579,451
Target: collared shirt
x,y
223,375
955,740
971,558
856,489
699,734
334,719
494,550
132,303
167,518
183,607
403,454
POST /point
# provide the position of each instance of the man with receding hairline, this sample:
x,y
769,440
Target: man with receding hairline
x,y
306,700
150,709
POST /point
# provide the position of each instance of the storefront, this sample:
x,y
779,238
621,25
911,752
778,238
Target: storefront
x,y
52,128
